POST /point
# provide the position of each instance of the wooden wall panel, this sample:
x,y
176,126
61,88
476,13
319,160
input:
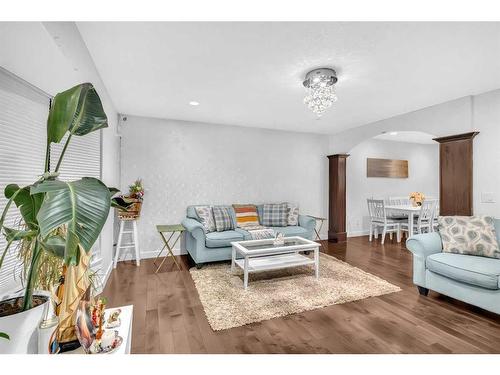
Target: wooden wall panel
x,y
455,174
386,168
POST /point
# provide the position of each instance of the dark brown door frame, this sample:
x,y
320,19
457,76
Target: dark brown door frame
x,y
456,174
337,198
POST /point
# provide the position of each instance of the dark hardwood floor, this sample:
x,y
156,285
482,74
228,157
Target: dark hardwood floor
x,y
169,317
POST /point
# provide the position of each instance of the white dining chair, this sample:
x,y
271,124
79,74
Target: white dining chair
x,y
378,218
435,224
397,201
425,219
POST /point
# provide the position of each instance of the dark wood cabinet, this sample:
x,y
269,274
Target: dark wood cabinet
x,y
337,198
455,174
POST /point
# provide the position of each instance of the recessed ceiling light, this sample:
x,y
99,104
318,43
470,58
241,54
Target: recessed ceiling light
x,y
393,133
194,102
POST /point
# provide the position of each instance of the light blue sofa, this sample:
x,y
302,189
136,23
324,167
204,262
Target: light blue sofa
x,y
472,279
216,246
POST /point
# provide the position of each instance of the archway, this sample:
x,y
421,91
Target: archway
x,y
416,148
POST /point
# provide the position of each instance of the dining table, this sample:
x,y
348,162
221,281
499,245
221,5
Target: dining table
x,y
408,210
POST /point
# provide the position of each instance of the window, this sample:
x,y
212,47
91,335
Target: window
x,y
23,116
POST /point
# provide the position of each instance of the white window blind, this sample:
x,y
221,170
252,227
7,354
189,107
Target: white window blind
x,y
23,116
82,158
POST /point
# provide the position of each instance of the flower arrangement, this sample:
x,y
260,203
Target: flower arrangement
x,y
417,198
136,190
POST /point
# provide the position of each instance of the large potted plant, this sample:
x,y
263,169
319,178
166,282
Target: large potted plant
x,y
59,220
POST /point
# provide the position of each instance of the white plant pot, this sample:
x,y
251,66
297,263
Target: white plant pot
x,y
22,329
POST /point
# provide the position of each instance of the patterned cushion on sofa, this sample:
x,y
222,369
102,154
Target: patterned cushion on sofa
x,y
469,235
206,217
246,215
223,218
275,215
293,214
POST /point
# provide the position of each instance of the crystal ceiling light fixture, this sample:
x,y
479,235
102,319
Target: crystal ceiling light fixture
x,y
320,91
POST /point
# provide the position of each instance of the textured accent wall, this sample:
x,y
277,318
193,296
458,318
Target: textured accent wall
x,y
183,163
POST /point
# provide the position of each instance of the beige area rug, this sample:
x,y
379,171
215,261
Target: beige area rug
x,y
277,293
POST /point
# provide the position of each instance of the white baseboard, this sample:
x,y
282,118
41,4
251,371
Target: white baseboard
x,y
148,254
358,233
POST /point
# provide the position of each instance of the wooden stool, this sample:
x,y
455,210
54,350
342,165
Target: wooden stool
x,y
134,237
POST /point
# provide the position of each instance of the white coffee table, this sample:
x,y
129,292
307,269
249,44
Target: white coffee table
x,y
263,255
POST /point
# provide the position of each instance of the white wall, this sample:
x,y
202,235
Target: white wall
x,y
184,163
423,176
479,112
53,57
486,119
448,118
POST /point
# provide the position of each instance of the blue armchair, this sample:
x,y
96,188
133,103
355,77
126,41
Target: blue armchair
x,y
472,279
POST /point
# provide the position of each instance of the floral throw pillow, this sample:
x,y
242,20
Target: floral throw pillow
x,y
469,235
293,214
206,218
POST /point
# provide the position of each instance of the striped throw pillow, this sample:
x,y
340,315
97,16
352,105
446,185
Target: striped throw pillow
x,y
246,215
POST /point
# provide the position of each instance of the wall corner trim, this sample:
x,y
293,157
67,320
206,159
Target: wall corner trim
x,y
337,156
456,137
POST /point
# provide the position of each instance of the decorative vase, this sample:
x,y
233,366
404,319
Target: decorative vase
x,y
22,327
76,288
279,240
47,328
45,332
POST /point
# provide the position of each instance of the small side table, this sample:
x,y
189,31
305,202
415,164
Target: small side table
x,y
318,230
172,229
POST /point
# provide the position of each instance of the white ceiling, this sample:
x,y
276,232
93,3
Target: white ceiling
x,y
250,74
408,136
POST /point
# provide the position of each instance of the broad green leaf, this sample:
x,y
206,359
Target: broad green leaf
x,y
90,115
71,252
77,110
62,112
113,190
10,190
82,205
55,245
3,335
28,204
